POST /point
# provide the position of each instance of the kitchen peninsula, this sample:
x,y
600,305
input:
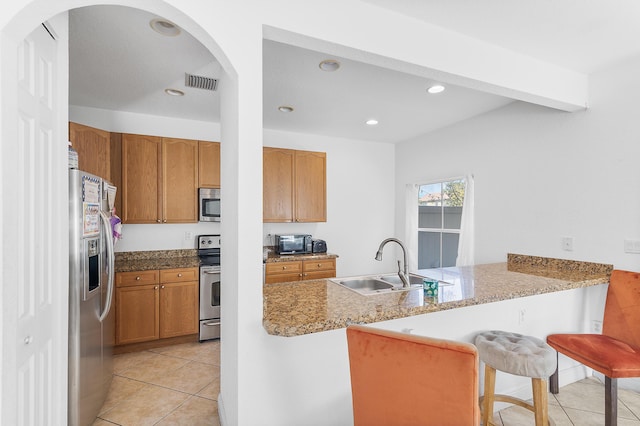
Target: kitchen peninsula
x,y
305,307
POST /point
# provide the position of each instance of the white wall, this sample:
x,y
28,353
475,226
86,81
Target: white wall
x,y
145,124
359,190
541,174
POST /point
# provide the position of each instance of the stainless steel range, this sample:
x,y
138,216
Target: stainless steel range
x,y
209,254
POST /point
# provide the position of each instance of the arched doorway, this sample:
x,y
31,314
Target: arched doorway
x,y
34,205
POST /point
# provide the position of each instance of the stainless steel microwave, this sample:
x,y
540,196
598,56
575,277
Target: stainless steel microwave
x,y
209,200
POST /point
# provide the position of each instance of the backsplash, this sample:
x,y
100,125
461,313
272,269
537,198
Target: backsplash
x,y
551,267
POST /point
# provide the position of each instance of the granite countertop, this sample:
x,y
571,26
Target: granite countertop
x,y
273,257
304,307
156,259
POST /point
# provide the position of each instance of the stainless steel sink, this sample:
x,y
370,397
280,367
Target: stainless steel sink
x,y
377,284
365,285
395,279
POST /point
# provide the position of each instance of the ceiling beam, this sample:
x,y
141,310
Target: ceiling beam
x,y
379,37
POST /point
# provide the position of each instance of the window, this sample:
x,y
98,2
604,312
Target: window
x,y
439,219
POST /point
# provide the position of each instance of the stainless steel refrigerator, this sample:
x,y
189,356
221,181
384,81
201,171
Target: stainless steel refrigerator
x,y
91,273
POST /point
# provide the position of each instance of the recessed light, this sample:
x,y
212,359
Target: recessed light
x,y
285,108
372,122
329,65
174,92
164,27
436,88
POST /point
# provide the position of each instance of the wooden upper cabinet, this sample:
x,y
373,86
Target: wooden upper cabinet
x,y
94,149
277,184
141,179
208,164
159,179
310,186
179,180
294,186
99,153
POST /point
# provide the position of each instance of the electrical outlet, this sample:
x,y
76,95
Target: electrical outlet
x,y
631,246
596,326
521,316
567,243
188,236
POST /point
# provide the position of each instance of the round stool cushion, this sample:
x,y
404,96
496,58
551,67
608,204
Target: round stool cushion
x,y
516,354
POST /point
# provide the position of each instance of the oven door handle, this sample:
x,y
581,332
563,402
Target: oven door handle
x,y
211,323
211,272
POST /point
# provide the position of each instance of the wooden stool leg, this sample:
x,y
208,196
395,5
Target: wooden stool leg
x,y
540,403
489,393
554,380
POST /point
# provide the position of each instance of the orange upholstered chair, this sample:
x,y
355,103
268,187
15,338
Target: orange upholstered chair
x,y
616,352
404,379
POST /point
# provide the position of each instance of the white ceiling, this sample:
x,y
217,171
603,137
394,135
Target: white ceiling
x,y
117,62
581,35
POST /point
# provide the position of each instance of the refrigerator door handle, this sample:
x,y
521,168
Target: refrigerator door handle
x,y
111,266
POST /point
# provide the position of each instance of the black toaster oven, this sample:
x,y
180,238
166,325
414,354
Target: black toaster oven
x,y
318,246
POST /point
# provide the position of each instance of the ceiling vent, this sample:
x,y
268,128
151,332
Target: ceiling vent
x,y
200,82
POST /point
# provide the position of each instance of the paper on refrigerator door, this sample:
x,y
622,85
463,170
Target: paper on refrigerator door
x,y
90,219
111,195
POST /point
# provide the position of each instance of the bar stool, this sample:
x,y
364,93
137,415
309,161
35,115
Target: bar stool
x,y
520,355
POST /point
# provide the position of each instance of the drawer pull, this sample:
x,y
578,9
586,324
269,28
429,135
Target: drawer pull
x,y
319,265
284,267
179,275
137,278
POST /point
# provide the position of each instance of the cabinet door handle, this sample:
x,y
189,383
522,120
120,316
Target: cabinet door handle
x,y
155,287
161,286
165,221
158,221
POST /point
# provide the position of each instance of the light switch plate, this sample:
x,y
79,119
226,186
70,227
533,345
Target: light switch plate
x,y
567,243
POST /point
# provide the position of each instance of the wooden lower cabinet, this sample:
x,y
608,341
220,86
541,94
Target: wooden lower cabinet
x,y
318,269
153,305
179,309
280,272
137,314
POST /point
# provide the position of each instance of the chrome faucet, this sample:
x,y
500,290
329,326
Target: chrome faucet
x,y
403,274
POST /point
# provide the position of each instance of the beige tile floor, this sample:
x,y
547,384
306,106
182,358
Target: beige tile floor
x,y
179,385
172,385
580,404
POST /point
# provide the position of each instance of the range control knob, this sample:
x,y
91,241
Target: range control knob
x,y
209,242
